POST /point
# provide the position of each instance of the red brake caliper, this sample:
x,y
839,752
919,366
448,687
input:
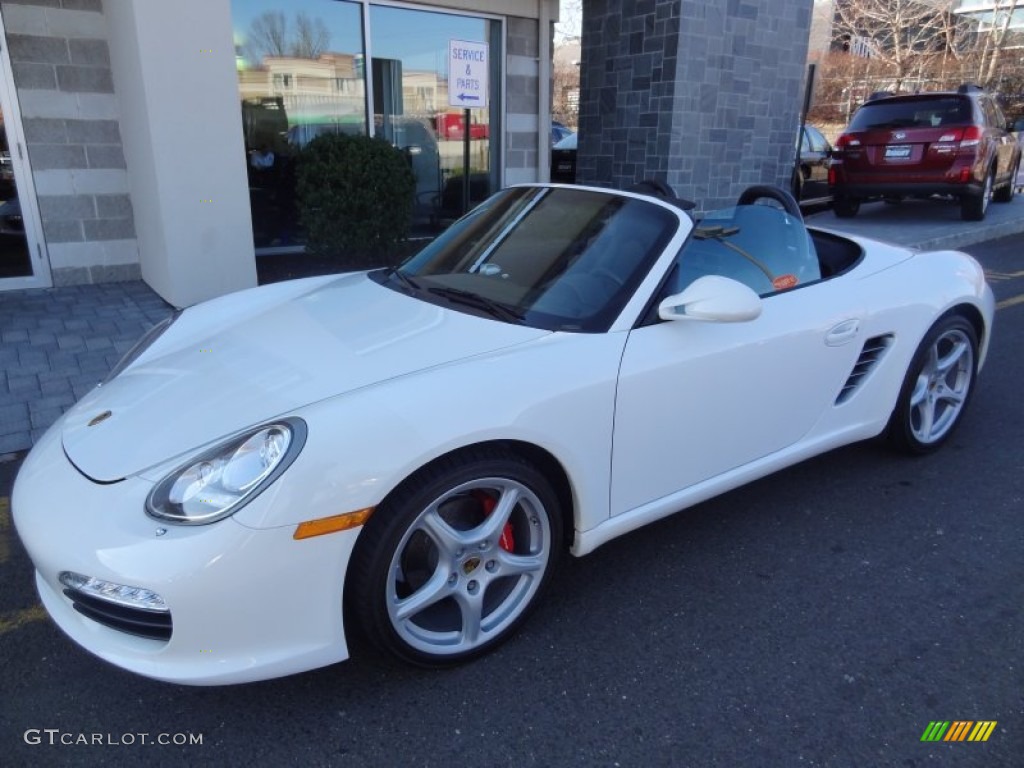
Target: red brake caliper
x,y
507,541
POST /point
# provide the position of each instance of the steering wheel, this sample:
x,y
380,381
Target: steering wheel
x,y
782,197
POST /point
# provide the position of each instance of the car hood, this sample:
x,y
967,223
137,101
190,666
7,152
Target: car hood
x,y
257,355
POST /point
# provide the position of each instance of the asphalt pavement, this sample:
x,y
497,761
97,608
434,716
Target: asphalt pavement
x,y
824,616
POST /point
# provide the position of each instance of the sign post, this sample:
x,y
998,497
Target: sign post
x,y
468,88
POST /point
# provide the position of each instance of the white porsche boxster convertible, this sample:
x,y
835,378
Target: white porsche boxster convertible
x,y
401,456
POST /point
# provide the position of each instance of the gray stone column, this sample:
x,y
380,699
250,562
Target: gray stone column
x,y
702,95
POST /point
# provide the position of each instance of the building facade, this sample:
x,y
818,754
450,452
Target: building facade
x,y
157,140
154,140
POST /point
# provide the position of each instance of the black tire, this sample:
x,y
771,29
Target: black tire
x,y
845,207
974,207
435,578
1005,194
937,388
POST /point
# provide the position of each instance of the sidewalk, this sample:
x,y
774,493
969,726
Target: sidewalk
x,y
927,224
56,344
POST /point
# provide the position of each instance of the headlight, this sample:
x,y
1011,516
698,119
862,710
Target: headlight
x,y
141,346
223,480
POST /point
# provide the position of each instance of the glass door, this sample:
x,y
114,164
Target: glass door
x,y
23,262
300,74
410,77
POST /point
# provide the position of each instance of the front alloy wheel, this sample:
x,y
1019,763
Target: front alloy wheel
x,y
937,388
450,565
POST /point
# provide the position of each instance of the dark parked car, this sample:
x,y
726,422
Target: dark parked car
x,y
810,179
558,132
563,160
950,143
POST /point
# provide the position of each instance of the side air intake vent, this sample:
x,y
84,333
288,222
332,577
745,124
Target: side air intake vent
x,y
873,351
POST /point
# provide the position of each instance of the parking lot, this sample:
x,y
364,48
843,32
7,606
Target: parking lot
x,y
821,617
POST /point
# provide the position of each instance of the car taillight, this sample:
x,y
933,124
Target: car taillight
x,y
847,141
972,137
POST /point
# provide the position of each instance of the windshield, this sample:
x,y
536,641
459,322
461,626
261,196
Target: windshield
x,y
553,258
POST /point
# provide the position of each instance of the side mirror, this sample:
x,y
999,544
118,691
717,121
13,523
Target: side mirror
x,y
712,298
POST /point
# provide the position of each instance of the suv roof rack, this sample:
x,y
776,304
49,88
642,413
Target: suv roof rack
x,y
969,88
880,95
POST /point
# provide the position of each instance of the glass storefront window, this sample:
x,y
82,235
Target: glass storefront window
x,y
410,105
302,71
300,74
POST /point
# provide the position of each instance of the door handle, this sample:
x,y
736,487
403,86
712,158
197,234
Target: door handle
x,y
843,333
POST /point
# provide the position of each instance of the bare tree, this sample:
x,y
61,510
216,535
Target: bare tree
x,y
311,37
268,36
897,35
996,41
565,93
570,21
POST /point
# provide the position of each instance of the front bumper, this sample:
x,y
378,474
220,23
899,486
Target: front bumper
x,y
246,604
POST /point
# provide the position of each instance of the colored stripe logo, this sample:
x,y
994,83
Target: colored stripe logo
x,y
958,730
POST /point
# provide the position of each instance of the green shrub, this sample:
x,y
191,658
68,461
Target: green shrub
x,y
355,197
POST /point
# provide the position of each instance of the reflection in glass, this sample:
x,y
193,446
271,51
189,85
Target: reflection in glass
x,y
560,259
410,104
300,74
302,71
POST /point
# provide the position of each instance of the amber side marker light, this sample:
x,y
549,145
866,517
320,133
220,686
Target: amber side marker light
x,y
311,528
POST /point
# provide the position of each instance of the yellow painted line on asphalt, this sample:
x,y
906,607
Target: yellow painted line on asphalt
x,y
14,619
5,529
1011,302
17,619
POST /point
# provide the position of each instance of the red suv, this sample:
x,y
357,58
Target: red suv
x,y
949,143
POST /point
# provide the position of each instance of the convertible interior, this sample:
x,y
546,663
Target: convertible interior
x,y
764,246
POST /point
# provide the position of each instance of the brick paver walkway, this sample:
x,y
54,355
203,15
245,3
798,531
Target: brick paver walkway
x,y
56,344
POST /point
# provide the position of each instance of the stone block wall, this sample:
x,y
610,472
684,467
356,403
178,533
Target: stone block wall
x,y
61,64
522,71
704,96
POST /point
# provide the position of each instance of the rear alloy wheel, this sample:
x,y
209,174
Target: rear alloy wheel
x,y
450,565
937,387
1005,194
846,207
973,207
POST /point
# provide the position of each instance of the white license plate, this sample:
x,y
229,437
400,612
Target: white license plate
x,y
897,152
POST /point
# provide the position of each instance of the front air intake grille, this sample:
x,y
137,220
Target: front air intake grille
x,y
873,351
155,625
